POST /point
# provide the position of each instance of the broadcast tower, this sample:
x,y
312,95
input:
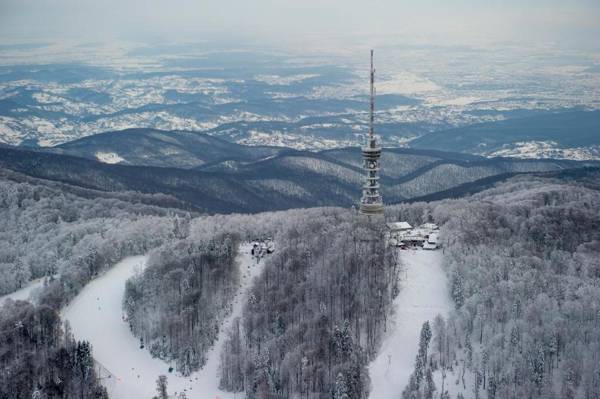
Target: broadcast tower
x,y
371,202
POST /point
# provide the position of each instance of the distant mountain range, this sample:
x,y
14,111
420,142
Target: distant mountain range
x,y
216,176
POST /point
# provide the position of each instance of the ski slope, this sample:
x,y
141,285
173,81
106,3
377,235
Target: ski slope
x,y
23,294
127,371
423,295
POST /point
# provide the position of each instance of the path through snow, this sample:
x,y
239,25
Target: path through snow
x,y
423,295
23,294
95,315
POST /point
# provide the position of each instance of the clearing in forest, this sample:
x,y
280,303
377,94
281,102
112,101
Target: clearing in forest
x,y
423,295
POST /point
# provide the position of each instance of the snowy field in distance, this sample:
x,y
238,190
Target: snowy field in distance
x,y
423,295
109,157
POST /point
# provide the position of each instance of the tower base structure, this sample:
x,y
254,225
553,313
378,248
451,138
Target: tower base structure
x,y
371,209
371,202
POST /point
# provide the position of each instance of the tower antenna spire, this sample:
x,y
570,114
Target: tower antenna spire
x,y
372,143
371,202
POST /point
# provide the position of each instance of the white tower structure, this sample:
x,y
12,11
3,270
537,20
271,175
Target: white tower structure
x,y
371,202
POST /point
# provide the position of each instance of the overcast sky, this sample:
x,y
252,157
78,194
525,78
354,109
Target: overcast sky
x,y
568,23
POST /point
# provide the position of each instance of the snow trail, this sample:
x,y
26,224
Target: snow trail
x,y
423,295
129,372
23,294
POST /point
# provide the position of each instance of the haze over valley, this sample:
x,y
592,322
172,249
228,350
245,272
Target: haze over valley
x,y
307,100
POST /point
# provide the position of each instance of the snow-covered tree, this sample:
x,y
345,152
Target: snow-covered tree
x,y
341,387
161,387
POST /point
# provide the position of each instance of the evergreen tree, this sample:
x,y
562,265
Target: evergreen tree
x,y
469,350
537,365
411,389
421,379
342,340
84,363
355,375
429,388
424,340
514,336
457,290
161,387
341,387
20,273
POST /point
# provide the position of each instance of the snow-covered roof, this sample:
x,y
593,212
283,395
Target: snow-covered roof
x,y
399,226
429,226
429,245
433,238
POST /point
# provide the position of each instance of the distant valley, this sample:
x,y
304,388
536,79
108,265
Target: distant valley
x,y
284,132
306,103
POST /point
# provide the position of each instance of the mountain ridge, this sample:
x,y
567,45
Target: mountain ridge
x,y
284,180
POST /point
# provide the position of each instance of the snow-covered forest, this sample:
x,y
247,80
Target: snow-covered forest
x,y
41,359
524,275
521,261
65,238
260,199
176,305
68,238
317,313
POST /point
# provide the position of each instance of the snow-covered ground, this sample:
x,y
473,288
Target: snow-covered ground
x,y
130,372
24,293
109,157
423,295
546,149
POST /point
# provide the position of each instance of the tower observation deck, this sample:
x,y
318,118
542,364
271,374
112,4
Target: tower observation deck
x,y
371,202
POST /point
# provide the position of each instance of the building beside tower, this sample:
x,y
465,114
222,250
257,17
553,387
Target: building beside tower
x,y
371,202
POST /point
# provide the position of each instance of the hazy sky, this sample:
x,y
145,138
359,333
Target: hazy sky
x,y
568,23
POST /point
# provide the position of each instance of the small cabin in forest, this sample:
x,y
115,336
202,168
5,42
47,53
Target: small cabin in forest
x,y
404,236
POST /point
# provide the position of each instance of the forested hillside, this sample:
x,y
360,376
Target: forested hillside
x,y
522,261
67,236
60,234
316,314
154,147
40,359
313,318
176,306
290,179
